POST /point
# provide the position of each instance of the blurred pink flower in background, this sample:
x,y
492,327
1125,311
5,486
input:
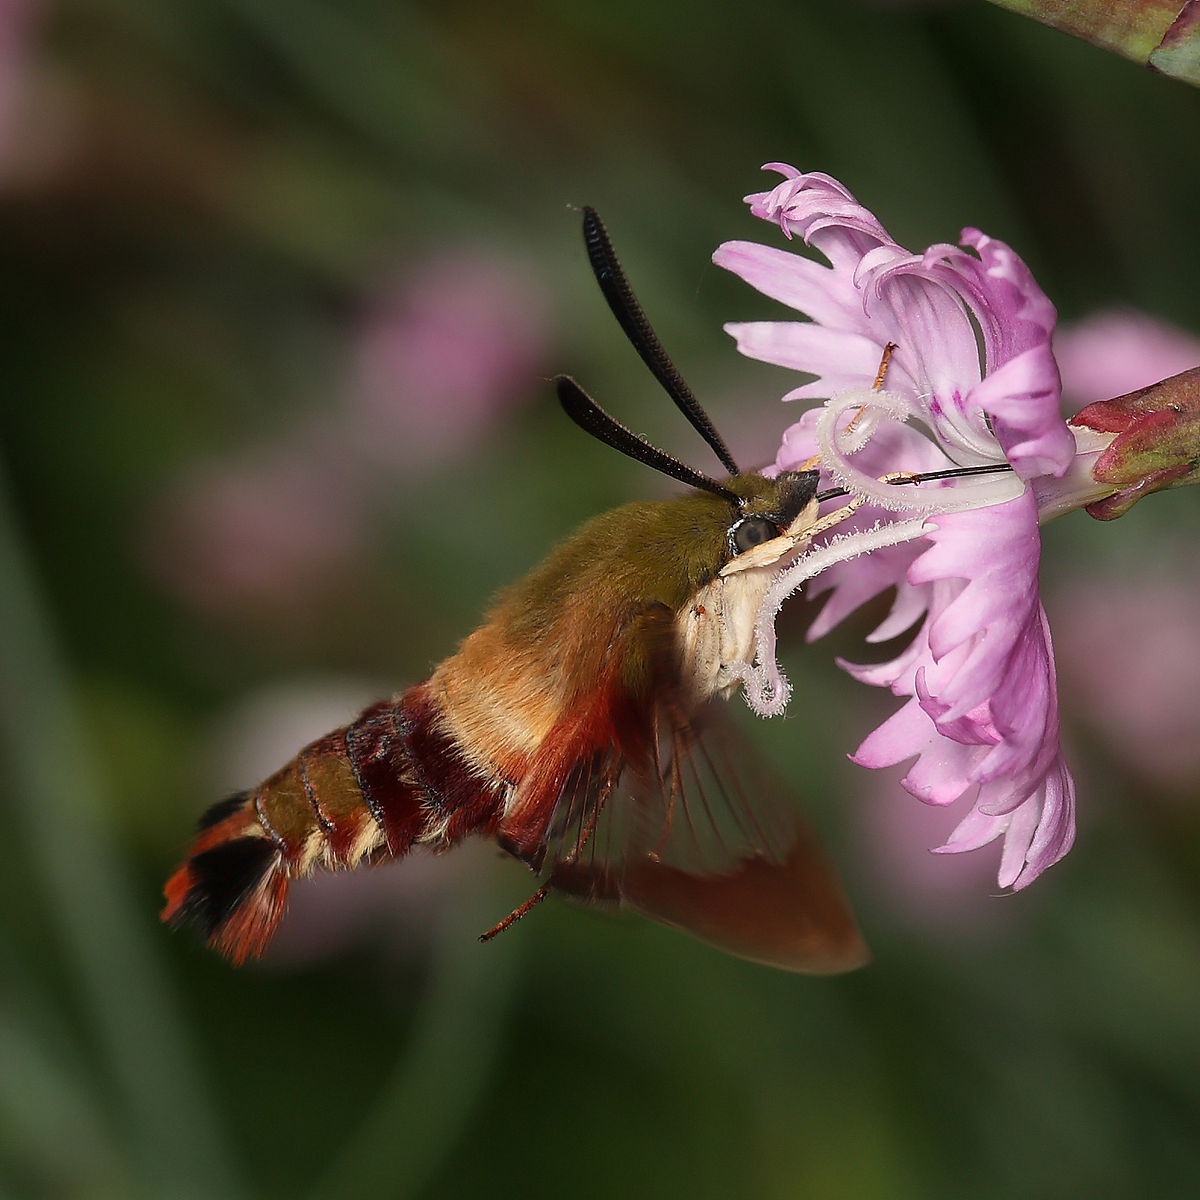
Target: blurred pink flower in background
x,y
1130,661
1111,353
1135,690
18,24
258,532
951,897
447,350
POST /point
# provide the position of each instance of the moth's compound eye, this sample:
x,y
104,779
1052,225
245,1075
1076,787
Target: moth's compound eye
x,y
752,531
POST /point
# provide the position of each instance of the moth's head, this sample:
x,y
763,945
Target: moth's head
x,y
771,518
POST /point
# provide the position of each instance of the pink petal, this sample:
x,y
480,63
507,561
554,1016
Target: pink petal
x,y
798,282
980,717
805,347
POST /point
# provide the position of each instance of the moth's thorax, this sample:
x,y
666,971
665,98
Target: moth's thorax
x,y
636,599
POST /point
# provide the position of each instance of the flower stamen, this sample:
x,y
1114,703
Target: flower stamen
x,y
881,374
873,408
814,461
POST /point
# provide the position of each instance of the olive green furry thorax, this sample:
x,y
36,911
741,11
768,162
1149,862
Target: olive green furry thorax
x,y
611,607
653,552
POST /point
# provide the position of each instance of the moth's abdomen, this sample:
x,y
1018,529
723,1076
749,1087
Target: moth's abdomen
x,y
367,791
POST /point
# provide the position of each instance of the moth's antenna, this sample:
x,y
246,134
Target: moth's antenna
x,y
632,319
591,418
926,477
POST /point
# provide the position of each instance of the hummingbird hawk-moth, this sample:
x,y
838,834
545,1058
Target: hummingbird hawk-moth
x,y
578,727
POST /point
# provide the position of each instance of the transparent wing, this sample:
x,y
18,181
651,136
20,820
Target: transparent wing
x,y
696,833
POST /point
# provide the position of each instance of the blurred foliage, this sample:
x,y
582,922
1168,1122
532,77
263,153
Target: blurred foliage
x,y
203,206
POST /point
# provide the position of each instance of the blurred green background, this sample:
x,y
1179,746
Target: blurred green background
x,y
283,285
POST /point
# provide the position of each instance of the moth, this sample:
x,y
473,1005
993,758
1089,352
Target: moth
x,y
579,727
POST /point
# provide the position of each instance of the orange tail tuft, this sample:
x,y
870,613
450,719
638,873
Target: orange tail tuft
x,y
234,883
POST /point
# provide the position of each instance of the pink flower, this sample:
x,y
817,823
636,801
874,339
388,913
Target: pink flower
x,y
1148,722
19,21
264,533
972,382
441,355
947,899
446,351
1118,351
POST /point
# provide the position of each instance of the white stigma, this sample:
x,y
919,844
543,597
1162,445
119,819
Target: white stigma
x,y
767,688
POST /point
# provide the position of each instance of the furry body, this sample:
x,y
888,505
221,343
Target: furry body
x,y
573,683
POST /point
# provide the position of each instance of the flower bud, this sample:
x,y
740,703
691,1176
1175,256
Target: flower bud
x,y
1157,443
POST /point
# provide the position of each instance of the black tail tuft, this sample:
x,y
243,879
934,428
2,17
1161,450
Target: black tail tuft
x,y
215,814
220,880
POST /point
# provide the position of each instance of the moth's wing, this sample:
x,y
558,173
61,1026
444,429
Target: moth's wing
x,y
682,821
711,844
